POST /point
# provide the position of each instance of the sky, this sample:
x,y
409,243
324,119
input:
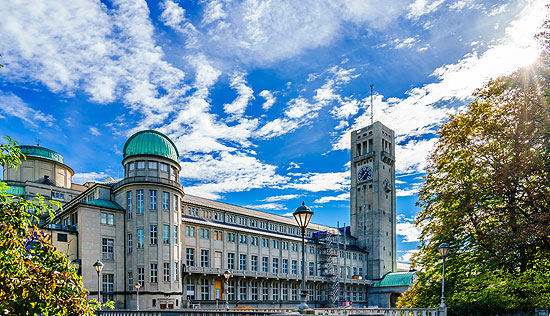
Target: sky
x,y
259,96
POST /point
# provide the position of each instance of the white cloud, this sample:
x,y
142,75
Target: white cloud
x,y
12,105
405,227
293,165
409,191
288,214
244,95
423,7
326,199
426,107
227,172
173,15
285,197
84,177
94,131
407,255
269,99
317,182
267,206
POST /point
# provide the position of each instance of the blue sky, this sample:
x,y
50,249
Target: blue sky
x,y
259,96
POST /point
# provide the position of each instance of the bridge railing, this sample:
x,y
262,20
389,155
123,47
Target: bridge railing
x,y
279,311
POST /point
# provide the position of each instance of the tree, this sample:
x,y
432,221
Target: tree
x,y
487,194
35,278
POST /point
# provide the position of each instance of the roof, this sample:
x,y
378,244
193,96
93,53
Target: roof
x,y
14,190
192,199
150,142
37,151
104,204
396,279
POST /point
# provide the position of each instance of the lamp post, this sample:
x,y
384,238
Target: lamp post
x,y
303,215
138,286
444,249
227,275
98,266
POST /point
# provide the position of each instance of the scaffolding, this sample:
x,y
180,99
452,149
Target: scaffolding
x,y
329,265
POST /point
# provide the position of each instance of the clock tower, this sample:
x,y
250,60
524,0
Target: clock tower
x,y
372,196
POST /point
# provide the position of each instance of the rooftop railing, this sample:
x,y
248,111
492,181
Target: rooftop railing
x,y
149,179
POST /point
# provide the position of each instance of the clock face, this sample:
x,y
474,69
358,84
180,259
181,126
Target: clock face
x,y
365,173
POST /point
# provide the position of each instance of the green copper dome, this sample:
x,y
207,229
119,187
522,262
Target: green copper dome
x,y
36,151
150,143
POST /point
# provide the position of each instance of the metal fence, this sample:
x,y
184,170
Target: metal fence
x,y
268,312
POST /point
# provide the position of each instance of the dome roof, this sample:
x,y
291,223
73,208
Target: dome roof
x,y
150,142
42,152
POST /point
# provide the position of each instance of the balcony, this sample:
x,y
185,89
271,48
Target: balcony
x,y
364,156
147,179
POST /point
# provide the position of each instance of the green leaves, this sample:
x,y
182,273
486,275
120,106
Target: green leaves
x,y
487,194
35,278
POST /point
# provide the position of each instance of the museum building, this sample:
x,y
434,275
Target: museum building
x,y
176,246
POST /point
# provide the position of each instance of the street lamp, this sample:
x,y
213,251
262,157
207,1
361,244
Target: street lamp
x,y
444,249
138,286
98,266
227,275
303,215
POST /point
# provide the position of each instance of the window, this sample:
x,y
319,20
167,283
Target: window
x,y
131,166
163,167
141,164
312,250
361,271
139,201
191,288
165,234
108,287
107,219
175,234
294,291
231,290
204,233
165,201
129,204
285,266
140,238
108,248
254,263
141,276
294,267
285,245
265,264
61,237
190,231
166,274
275,265
265,242
190,257
152,199
242,239
242,291
354,270
204,258
152,165
130,243
311,268
294,247
153,234
355,255
218,235
275,291
265,291
175,203
242,262
360,256
254,290
230,260
131,281
205,289
154,271
230,237
175,271
254,241
276,244
285,291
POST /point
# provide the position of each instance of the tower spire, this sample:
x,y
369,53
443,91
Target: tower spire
x,y
371,105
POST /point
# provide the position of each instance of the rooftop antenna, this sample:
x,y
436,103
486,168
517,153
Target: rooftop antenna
x,y
371,106
37,142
